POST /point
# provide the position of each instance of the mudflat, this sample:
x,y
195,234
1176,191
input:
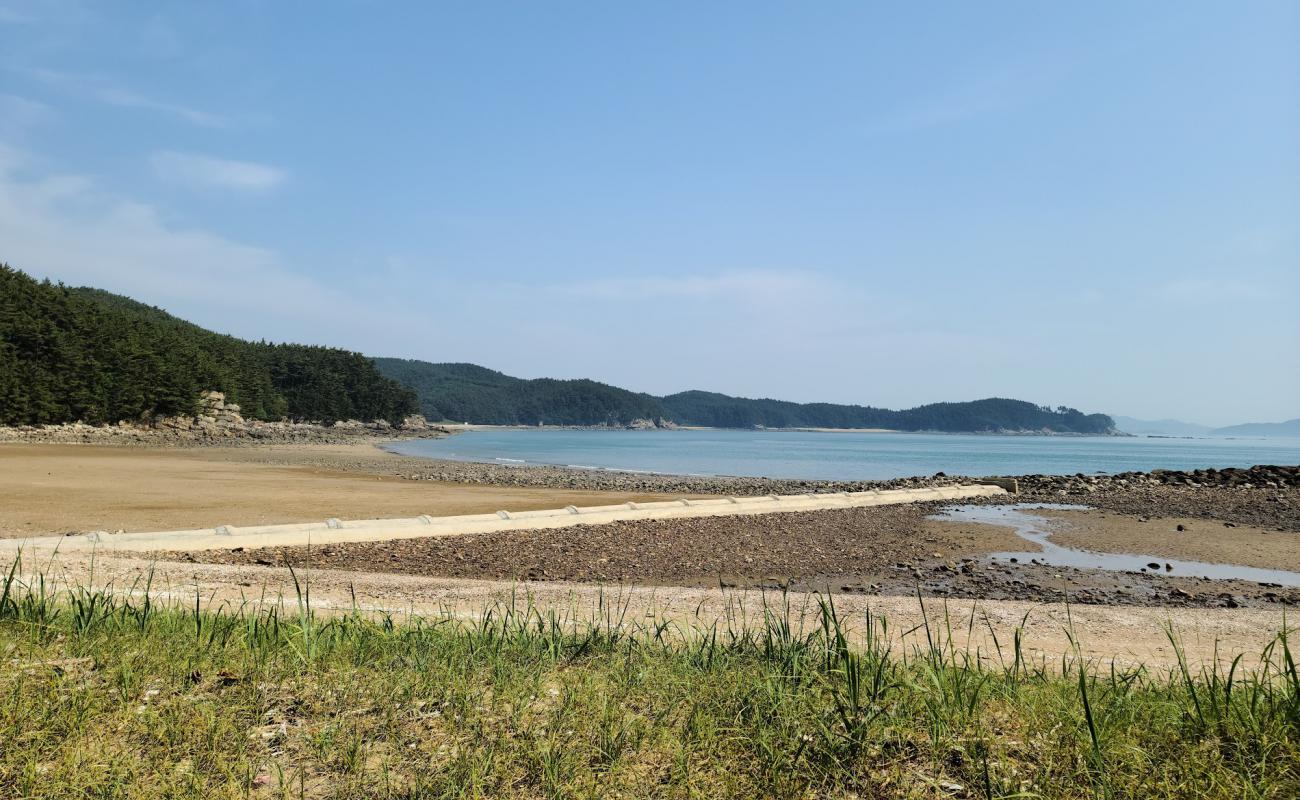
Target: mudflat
x,y
1178,537
57,488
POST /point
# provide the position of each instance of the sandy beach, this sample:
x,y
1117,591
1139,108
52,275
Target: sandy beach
x,y
56,489
877,557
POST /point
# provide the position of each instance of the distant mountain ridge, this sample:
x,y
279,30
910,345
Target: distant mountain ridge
x,y
1174,427
470,393
1158,427
1289,428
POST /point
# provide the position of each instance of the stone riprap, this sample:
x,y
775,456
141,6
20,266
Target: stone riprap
x,y
1261,476
540,475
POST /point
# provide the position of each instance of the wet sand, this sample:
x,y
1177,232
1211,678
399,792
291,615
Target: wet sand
x,y
1199,539
56,489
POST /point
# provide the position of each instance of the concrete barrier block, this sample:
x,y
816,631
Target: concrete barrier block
x,y
1010,485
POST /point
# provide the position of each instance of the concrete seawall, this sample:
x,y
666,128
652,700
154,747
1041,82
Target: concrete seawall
x,y
333,531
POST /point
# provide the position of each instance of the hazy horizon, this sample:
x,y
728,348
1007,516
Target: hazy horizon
x,y
1096,207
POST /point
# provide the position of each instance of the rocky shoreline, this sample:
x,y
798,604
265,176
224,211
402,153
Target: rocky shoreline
x,y
1266,496
887,550
219,423
1071,486
1263,495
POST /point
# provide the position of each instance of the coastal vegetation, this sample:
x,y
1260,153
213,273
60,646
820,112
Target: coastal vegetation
x,y
79,354
117,695
992,415
469,393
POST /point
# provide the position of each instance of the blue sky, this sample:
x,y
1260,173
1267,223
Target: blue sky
x,y
1088,204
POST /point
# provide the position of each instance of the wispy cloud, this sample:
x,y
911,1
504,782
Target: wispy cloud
x,y
967,98
200,170
17,114
107,91
1200,290
68,227
746,285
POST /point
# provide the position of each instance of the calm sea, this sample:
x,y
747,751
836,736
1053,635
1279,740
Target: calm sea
x,y
847,456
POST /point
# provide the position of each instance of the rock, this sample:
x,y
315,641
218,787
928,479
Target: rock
x,y
216,422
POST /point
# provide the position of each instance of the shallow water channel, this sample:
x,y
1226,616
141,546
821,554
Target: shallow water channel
x,y
1038,529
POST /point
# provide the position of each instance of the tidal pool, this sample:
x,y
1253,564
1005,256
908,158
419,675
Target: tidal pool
x,y
1038,529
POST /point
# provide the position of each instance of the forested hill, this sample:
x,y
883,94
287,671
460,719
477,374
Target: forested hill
x,y
469,393
84,354
993,414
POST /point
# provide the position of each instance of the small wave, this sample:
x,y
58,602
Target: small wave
x,y
583,466
511,460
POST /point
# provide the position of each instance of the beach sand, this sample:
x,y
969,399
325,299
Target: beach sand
x,y
56,489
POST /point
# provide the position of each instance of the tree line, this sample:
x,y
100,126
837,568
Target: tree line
x,y
976,416
470,393
80,354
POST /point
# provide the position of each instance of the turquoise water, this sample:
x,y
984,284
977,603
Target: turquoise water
x,y
847,456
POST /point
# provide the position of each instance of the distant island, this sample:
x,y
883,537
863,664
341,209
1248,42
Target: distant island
x,y
1174,427
470,393
84,354
1289,428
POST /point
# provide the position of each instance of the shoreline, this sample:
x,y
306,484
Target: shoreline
x,y
459,427
371,454
887,551
542,474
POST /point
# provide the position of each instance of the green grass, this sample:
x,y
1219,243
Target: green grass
x,y
105,694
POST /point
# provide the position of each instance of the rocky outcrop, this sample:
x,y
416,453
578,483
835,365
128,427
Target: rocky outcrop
x,y
215,418
219,423
651,424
